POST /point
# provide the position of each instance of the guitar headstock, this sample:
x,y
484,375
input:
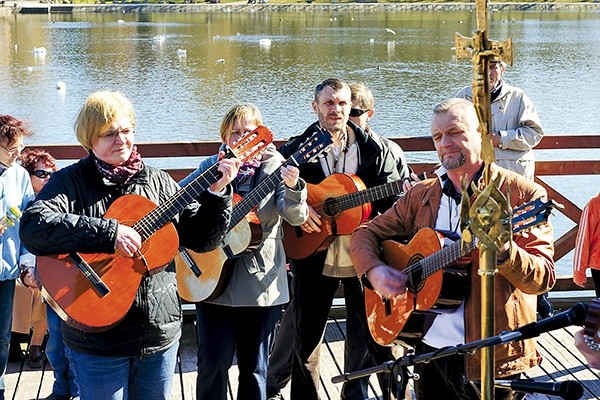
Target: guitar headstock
x,y
252,143
532,214
591,329
314,146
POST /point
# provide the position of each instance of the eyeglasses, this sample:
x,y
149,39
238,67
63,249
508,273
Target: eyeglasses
x,y
113,134
13,150
40,173
357,112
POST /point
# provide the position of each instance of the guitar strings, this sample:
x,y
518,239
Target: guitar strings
x,y
351,200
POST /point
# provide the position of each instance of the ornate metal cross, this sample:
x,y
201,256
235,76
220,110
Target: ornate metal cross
x,y
488,218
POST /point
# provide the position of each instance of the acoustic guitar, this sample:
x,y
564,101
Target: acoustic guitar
x,y
428,285
204,276
343,202
93,292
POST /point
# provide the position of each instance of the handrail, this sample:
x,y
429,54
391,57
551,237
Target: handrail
x,y
563,245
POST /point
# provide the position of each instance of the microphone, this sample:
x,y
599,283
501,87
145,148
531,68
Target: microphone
x,y
568,390
573,316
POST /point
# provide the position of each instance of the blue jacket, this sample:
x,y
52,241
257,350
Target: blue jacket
x,y
15,191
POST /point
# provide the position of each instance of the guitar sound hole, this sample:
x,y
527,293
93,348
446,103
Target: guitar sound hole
x,y
330,207
415,278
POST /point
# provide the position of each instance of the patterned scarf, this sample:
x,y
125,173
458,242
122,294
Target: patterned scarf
x,y
247,170
120,174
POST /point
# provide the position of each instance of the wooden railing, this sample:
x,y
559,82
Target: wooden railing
x,y
563,244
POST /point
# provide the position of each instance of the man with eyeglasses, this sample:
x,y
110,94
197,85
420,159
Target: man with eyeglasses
x,y
15,193
362,111
317,277
516,126
516,130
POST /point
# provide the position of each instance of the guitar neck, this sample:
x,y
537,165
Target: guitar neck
x,y
166,211
524,217
443,258
254,197
265,187
351,200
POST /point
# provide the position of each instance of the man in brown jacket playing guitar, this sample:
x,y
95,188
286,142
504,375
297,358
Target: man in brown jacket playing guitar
x,y
525,264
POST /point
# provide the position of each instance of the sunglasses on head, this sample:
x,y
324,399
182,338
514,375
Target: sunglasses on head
x,y
42,174
357,112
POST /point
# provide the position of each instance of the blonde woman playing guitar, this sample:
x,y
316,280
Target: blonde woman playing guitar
x,y
242,318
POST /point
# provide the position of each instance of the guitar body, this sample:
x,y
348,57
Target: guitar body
x,y
73,296
322,197
204,276
385,326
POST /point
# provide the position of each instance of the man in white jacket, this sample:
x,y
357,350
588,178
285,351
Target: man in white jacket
x,y
516,127
516,130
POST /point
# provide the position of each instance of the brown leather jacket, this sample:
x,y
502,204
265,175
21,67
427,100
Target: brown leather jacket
x,y
527,272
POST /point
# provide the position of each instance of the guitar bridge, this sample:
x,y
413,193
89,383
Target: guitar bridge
x,y
388,307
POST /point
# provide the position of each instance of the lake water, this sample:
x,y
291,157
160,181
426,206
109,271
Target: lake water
x,y
275,59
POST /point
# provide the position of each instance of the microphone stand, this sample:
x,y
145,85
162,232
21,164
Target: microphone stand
x,y
411,359
573,316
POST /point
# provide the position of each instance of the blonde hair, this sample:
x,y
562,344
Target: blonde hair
x,y
246,111
362,95
98,112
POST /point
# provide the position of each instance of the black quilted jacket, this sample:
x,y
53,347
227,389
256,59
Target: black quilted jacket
x,y
67,216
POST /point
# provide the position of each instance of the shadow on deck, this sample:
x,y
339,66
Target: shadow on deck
x,y
561,362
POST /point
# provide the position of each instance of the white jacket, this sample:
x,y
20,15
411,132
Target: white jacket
x,y
514,117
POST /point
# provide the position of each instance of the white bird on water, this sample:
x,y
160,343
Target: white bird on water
x,y
181,53
265,43
61,86
220,61
388,30
39,51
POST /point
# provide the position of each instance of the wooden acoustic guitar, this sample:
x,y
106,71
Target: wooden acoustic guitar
x,y
204,276
343,202
433,279
93,292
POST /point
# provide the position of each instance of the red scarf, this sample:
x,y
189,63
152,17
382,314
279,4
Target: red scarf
x,y
120,174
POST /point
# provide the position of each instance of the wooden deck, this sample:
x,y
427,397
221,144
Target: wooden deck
x,y
561,362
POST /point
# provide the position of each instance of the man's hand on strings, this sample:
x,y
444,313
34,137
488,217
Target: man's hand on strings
x,y
388,282
313,223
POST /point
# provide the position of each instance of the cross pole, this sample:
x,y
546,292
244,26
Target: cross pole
x,y
488,218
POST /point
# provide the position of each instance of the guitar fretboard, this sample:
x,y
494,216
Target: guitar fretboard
x,y
166,211
351,200
441,259
312,148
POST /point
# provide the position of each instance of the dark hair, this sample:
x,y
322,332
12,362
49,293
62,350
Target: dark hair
x,y
334,83
12,128
30,157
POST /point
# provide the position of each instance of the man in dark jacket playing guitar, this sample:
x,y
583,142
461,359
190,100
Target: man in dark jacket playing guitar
x,y
525,263
318,275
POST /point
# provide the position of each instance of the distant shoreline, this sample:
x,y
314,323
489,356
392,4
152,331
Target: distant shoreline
x,y
31,7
